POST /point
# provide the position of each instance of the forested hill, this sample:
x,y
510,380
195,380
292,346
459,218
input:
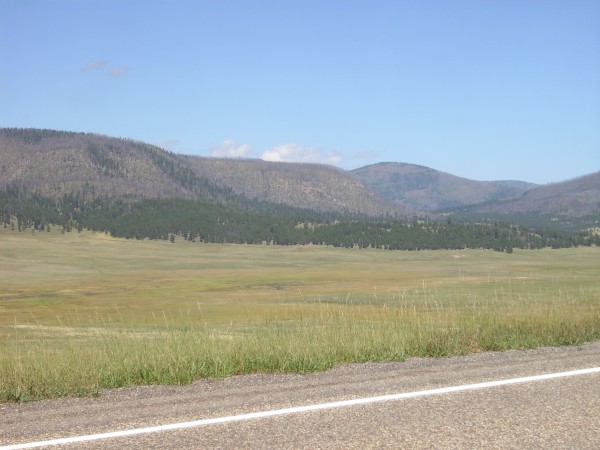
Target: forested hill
x,y
134,190
426,189
53,164
310,186
570,199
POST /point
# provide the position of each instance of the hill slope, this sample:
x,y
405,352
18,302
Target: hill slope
x,y
53,163
309,186
570,199
426,189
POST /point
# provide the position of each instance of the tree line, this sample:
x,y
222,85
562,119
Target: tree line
x,y
198,221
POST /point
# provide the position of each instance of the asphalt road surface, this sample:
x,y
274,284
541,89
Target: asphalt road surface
x,y
551,413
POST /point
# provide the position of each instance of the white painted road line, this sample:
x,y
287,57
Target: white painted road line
x,y
299,409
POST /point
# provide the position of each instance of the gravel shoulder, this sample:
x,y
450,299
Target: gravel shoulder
x,y
144,406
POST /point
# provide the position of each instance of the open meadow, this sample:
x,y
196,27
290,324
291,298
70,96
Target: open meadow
x,y
80,312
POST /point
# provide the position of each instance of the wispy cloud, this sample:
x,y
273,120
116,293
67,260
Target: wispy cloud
x,y
230,149
101,64
93,65
117,71
294,153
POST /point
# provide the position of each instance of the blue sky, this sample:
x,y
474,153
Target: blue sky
x,y
481,89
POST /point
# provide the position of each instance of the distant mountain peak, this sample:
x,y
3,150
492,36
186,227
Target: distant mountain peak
x,y
426,189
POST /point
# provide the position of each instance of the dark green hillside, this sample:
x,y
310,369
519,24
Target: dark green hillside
x,y
196,221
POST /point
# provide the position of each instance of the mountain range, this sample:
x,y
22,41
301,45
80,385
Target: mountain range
x,y
56,163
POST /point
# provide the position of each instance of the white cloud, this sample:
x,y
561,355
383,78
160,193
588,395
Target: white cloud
x,y
230,149
294,153
333,159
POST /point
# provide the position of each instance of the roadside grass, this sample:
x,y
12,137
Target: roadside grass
x,y
83,312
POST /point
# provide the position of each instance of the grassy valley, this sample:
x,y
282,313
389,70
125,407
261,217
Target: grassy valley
x,y
83,311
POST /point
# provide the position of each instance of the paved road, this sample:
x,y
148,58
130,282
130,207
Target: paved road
x,y
558,413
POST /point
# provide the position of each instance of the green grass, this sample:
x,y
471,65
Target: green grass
x,y
81,312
